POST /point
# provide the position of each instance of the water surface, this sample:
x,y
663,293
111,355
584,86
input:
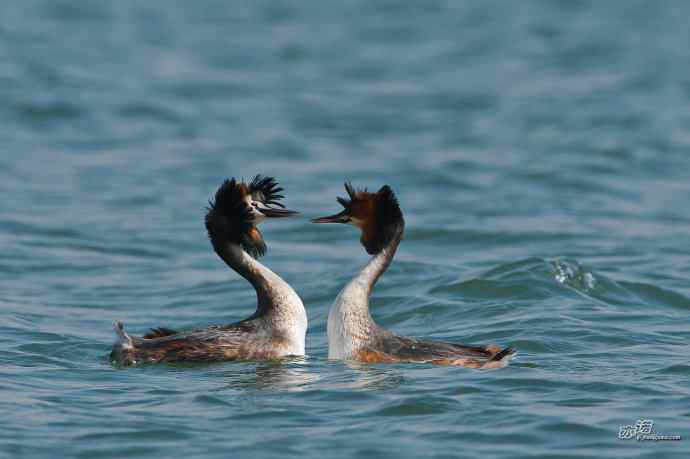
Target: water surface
x,y
540,152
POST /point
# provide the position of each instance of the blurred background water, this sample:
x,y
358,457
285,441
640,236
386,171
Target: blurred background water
x,y
540,152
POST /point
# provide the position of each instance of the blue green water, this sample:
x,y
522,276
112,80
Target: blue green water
x,y
541,154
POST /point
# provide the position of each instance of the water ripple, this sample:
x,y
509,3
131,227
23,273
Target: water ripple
x,y
539,154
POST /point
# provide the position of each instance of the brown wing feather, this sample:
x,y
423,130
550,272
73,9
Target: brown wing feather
x,y
244,340
159,333
388,347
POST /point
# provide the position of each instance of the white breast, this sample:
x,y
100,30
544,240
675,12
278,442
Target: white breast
x,y
292,317
348,321
299,329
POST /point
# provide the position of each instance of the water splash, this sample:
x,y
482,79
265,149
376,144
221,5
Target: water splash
x,y
572,274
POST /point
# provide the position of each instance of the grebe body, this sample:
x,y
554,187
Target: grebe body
x,y
279,325
352,332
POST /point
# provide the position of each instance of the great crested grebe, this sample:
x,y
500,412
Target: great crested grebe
x,y
279,325
352,333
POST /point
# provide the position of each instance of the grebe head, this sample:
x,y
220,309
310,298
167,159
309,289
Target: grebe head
x,y
377,214
239,207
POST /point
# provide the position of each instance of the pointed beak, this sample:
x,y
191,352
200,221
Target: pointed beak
x,y
270,212
342,217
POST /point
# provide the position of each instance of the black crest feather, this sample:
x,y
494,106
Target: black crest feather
x,y
389,220
352,193
351,190
229,219
266,190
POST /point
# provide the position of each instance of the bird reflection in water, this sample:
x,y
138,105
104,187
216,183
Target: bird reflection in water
x,y
367,377
289,374
300,374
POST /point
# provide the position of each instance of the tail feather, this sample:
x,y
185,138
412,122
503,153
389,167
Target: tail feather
x,y
123,339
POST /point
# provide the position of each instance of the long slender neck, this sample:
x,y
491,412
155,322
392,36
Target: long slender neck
x,y
355,296
379,263
274,295
350,325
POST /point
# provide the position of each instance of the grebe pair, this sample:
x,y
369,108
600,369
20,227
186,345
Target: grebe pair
x,y
278,327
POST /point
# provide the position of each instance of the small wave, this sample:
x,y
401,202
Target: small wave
x,y
21,228
149,111
537,278
419,407
48,111
654,294
599,287
478,289
532,278
566,272
680,370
